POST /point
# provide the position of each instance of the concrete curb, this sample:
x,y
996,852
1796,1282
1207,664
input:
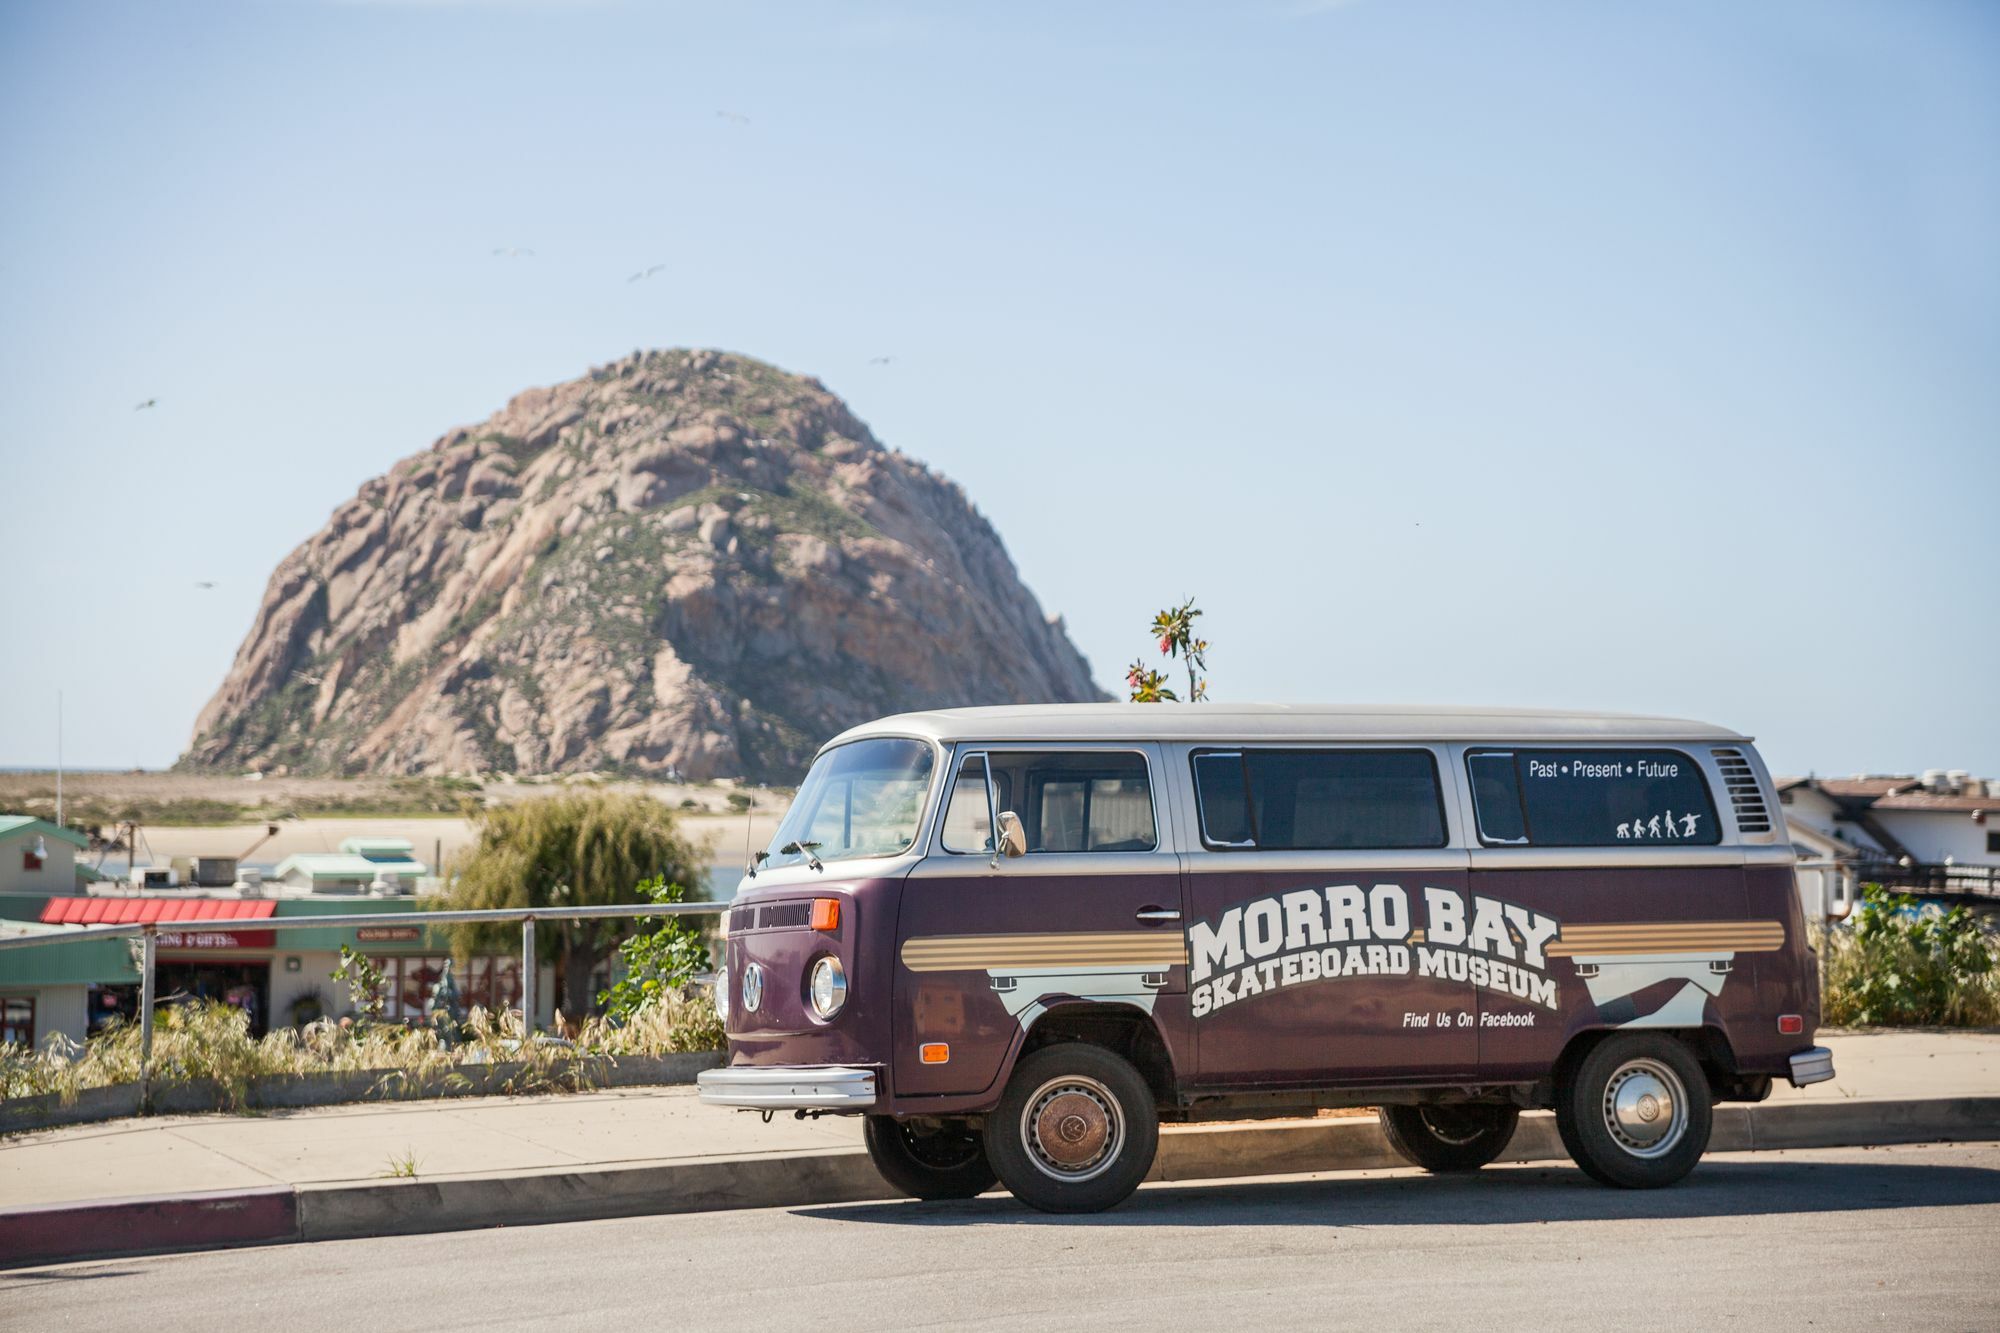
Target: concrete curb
x,y
104,1228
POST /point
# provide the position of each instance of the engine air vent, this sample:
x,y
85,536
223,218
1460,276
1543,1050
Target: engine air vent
x,y
784,916
1752,815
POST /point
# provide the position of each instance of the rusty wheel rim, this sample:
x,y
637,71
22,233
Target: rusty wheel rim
x,y
1073,1128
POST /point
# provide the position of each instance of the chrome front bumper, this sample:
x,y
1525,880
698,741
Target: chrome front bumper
x,y
1813,1066
789,1088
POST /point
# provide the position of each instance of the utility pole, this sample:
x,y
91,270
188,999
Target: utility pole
x,y
59,760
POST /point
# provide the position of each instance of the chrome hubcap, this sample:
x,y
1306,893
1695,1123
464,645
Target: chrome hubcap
x,y
1072,1128
1645,1108
1446,1127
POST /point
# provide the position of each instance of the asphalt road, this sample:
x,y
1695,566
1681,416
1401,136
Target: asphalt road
x,y
1851,1238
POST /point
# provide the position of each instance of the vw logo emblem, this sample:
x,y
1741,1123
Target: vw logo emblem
x,y
753,987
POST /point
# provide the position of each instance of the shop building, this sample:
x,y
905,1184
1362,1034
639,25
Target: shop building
x,y
361,865
240,953
57,988
37,856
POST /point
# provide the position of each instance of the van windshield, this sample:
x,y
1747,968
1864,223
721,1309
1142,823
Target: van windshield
x,y
862,799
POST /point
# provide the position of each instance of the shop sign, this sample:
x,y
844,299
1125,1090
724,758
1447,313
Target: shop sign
x,y
217,939
388,934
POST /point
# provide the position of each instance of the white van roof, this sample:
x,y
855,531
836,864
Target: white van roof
x,y
1227,723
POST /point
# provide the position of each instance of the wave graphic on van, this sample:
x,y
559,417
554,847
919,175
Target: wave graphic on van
x,y
1027,992
1617,962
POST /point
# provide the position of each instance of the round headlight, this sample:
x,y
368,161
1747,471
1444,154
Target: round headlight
x,y
720,992
829,986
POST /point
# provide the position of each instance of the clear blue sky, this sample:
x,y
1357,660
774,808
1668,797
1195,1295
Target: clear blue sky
x,y
1629,356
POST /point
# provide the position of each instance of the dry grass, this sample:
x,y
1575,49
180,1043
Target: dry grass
x,y
194,1043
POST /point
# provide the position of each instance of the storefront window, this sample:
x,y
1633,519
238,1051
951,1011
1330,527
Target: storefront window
x,y
17,1020
492,981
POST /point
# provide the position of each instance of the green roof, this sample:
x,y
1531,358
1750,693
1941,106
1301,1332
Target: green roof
x,y
11,824
68,963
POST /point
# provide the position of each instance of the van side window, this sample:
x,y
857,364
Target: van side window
x,y
1069,801
1319,800
1591,798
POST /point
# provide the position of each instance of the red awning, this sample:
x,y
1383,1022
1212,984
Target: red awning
x,y
137,911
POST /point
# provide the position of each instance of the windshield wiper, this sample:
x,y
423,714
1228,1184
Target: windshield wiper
x,y
805,849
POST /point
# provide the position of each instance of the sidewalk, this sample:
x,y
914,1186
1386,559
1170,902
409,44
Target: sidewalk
x,y
633,1127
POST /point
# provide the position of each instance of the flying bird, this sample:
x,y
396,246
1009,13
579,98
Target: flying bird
x,y
880,360
201,583
733,117
511,252
148,403
307,678
637,277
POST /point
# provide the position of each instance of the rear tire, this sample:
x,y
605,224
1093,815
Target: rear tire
x,y
1076,1130
948,1162
1636,1111
1449,1139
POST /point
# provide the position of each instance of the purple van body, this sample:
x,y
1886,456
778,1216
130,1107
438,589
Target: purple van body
x,y
1706,942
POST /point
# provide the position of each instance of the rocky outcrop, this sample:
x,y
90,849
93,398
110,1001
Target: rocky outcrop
x,y
685,561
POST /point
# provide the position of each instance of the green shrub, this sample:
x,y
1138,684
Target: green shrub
x,y
1900,963
657,962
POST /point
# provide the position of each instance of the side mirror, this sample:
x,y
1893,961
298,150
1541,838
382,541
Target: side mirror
x,y
1013,840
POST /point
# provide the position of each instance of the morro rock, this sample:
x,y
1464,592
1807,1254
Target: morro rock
x,y
686,561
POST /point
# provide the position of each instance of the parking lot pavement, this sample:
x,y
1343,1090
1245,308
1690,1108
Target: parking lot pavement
x,y
1845,1238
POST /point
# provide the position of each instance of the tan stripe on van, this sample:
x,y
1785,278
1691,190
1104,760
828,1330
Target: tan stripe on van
x,y
977,953
1648,937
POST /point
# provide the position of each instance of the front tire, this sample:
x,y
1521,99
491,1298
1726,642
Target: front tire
x,y
1076,1130
1636,1111
1449,1139
947,1161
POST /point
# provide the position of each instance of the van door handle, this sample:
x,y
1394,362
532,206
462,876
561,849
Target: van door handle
x,y
1156,914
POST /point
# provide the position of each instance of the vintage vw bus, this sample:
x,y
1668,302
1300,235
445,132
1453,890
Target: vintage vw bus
x,y
1018,939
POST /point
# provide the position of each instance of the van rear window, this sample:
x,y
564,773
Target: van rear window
x,y
1591,798
1319,800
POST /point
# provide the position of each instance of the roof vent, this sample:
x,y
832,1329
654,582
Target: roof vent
x,y
1747,798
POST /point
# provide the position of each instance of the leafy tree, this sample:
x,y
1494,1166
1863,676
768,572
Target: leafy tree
x,y
658,962
575,850
1174,628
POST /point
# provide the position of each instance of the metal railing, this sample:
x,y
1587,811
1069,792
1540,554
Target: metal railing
x,y
148,934
1930,878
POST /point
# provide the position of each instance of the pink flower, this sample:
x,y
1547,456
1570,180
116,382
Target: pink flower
x,y
1166,643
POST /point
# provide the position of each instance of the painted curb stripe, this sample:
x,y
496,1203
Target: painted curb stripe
x,y
47,1232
